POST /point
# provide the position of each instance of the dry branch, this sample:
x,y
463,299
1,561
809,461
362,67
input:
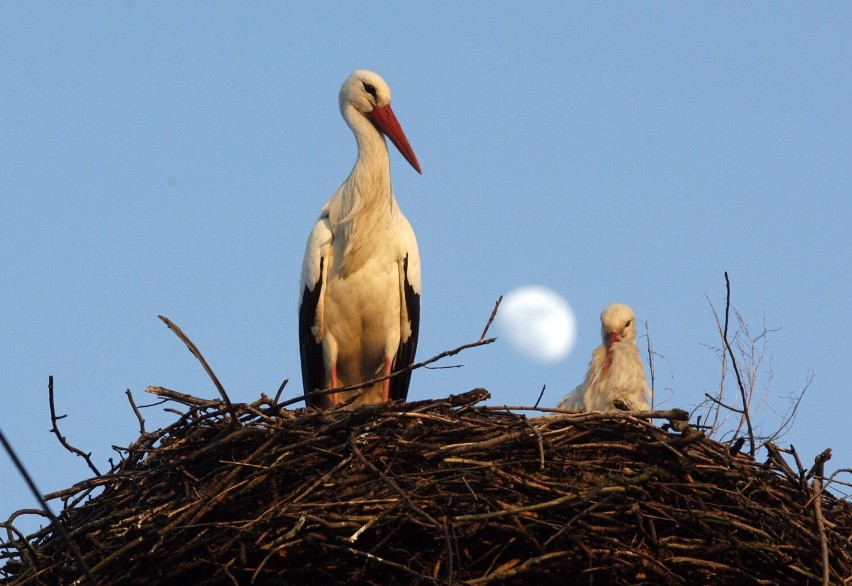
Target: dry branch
x,y
743,394
439,491
54,420
197,353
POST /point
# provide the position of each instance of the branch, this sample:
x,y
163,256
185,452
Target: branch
x,y
650,362
136,411
540,395
55,429
280,390
195,352
721,404
491,319
819,465
736,367
182,398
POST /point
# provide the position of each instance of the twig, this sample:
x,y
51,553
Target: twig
x,y
520,569
736,367
540,395
491,319
183,398
280,390
650,362
373,381
449,548
195,352
819,466
721,404
136,411
81,565
678,415
55,429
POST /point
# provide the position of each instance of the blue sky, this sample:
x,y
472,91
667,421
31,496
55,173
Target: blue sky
x,y
170,158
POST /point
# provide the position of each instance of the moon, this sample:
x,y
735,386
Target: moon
x,y
538,322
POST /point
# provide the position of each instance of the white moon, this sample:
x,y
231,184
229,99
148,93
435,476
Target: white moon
x,y
538,322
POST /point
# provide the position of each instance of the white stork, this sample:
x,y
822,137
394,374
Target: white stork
x,y
359,311
616,370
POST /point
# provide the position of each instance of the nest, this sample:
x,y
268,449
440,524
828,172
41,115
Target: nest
x,y
444,491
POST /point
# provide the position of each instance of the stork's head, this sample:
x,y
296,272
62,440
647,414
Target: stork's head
x,y
618,323
367,93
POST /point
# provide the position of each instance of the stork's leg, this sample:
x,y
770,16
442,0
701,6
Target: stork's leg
x,y
335,382
386,383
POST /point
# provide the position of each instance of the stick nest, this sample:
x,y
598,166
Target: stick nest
x,y
440,491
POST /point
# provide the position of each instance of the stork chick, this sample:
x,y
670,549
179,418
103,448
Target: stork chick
x,y
615,371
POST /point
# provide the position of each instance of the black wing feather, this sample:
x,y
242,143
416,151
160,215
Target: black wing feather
x,y
313,362
405,352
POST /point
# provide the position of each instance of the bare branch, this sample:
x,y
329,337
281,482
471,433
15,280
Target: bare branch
x,y
491,319
736,368
280,390
819,466
136,411
55,429
195,352
540,395
182,398
650,363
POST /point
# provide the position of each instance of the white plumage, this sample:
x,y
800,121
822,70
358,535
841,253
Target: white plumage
x,y
616,370
359,307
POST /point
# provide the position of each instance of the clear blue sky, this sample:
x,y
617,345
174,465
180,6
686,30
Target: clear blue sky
x,y
170,158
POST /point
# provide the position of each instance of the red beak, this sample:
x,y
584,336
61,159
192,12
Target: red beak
x,y
385,120
611,339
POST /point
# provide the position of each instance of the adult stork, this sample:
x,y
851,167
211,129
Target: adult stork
x,y
359,311
616,370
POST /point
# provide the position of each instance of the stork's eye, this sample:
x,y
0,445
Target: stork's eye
x,y
627,325
370,89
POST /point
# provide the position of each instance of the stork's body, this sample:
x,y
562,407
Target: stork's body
x,y
615,371
359,311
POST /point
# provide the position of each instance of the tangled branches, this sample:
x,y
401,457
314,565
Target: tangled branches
x,y
440,491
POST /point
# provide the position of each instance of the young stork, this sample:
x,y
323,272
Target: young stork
x,y
616,370
359,311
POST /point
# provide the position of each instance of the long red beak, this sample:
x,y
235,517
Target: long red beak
x,y
385,120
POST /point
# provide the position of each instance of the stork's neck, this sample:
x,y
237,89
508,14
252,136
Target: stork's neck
x,y
368,187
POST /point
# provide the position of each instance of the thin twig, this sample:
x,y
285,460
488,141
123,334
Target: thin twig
x,y
721,404
491,319
54,419
280,390
136,411
540,395
373,381
182,398
650,362
195,352
736,367
81,565
520,569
